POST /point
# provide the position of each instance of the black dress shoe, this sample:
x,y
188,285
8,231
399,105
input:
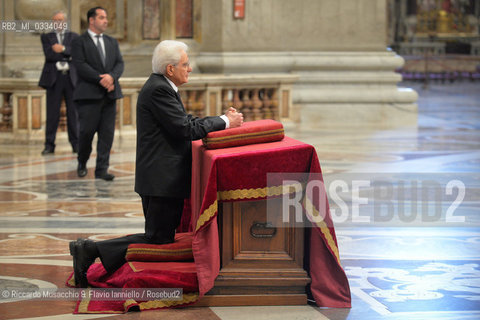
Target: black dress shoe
x,y
105,176
83,258
81,170
47,151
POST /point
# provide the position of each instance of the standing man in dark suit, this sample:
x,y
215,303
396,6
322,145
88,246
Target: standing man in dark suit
x,y
99,65
59,78
164,159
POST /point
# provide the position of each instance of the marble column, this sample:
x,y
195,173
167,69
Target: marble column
x,y
337,47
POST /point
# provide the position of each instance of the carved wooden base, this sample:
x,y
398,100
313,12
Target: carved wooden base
x,y
261,263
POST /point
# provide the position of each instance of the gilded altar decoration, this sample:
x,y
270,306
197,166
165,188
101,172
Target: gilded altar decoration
x,y
444,17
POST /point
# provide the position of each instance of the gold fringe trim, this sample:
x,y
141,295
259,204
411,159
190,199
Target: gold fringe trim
x,y
207,215
323,228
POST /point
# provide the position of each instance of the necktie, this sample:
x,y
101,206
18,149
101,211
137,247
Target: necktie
x,y
100,51
179,98
61,37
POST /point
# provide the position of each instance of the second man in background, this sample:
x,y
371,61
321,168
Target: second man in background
x,y
99,65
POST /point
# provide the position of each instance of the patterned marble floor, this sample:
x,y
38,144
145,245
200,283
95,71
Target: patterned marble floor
x,y
411,252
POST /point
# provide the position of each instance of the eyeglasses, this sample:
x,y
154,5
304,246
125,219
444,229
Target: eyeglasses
x,y
185,65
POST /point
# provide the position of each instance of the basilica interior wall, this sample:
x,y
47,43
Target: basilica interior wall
x,y
338,48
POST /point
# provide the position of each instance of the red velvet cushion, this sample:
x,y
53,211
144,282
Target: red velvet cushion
x,y
180,250
251,132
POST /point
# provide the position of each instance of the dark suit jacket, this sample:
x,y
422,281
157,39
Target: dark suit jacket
x,y
164,135
89,66
49,72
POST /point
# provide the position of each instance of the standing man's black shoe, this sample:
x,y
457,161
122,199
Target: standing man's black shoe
x,y
105,176
47,151
84,253
81,170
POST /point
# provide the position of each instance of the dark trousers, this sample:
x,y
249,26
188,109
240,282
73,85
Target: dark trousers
x,y
62,88
96,116
162,217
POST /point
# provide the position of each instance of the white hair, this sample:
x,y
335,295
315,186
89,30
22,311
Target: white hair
x,y
62,12
165,53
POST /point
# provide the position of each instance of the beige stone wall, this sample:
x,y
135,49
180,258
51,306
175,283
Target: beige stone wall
x,y
285,25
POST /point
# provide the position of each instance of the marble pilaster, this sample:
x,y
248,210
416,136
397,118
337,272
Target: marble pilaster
x,y
338,49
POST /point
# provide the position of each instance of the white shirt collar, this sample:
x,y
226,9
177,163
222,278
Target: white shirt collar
x,y
93,34
172,84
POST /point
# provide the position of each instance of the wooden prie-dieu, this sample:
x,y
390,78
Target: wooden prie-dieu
x,y
245,256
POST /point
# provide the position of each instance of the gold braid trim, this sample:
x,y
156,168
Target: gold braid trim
x,y
323,228
128,303
244,136
152,251
258,192
133,267
154,304
245,194
83,306
242,194
71,281
207,215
